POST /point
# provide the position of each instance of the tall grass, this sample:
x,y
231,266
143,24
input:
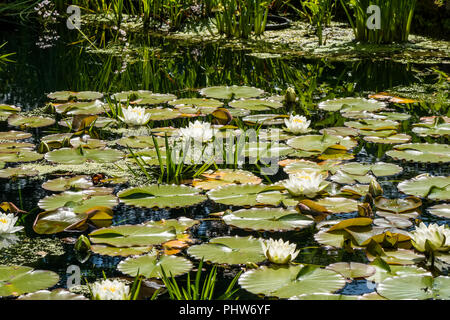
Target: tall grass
x,y
238,18
396,18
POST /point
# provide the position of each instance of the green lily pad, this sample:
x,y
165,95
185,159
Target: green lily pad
x,y
229,250
338,204
264,119
289,281
273,134
227,93
395,116
140,142
29,122
436,129
71,183
421,152
6,110
397,205
255,104
212,180
385,271
163,113
379,169
378,134
17,280
17,172
142,97
132,235
161,196
70,95
87,143
82,108
440,210
303,165
426,186
346,178
80,155
415,287
340,131
150,266
320,143
80,201
180,225
199,103
351,105
14,135
120,251
20,156
392,139
393,222
57,294
352,270
268,219
242,195
10,147
373,124
266,150
58,220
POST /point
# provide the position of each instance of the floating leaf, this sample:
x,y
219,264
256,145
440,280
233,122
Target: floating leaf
x,y
421,152
379,169
161,196
320,143
373,125
426,186
163,113
289,281
397,205
392,139
70,95
243,195
80,155
17,280
14,135
29,122
132,235
351,105
81,108
339,131
120,251
227,93
229,250
303,165
57,294
150,266
196,103
17,172
142,97
440,210
268,219
255,104
225,177
20,156
264,119
352,270
415,287
337,204
180,225
80,201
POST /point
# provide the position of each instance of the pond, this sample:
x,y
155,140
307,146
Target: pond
x,y
370,149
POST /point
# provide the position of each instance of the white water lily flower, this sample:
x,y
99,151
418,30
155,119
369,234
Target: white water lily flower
x,y
110,290
435,237
198,131
305,183
278,251
7,222
297,124
135,116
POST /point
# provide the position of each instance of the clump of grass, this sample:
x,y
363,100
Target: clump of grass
x,y
396,17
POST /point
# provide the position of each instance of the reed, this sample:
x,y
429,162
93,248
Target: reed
x,y
395,19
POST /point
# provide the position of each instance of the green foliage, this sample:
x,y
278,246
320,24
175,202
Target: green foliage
x,y
193,291
4,57
396,17
238,18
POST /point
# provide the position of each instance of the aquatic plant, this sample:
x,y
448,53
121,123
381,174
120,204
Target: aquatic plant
x,y
135,116
395,20
431,238
110,290
305,183
297,124
7,222
196,291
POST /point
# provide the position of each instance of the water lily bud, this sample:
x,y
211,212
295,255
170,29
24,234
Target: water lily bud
x,y
83,244
365,210
290,95
43,147
375,188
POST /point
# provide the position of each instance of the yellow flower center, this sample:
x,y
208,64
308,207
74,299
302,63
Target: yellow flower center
x,y
298,120
3,220
304,177
112,289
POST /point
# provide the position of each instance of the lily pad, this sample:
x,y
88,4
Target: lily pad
x,y
228,93
212,180
142,97
437,129
6,110
289,281
150,266
320,143
229,250
352,104
243,195
14,135
340,131
140,142
392,139
440,210
268,219
264,119
161,196
17,280
421,152
426,186
303,165
373,124
17,172
82,108
255,104
338,204
180,225
80,201
397,205
132,235
379,169
70,95
20,156
80,155
30,122
352,270
415,287
196,103
120,251
163,113
57,294
65,184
